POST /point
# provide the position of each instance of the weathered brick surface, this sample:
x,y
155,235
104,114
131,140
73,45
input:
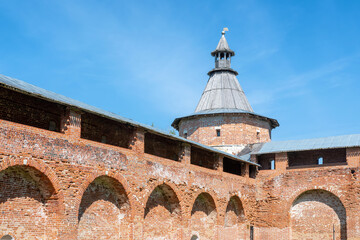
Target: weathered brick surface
x,y
235,129
57,185
102,191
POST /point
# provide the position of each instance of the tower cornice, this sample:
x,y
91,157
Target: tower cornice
x,y
222,70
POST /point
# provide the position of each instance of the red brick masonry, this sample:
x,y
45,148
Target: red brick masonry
x,y
63,184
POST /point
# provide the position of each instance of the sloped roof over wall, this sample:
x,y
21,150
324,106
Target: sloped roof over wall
x,y
29,89
309,144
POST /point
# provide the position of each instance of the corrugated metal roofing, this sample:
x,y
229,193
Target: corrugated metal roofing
x,y
35,91
223,91
310,144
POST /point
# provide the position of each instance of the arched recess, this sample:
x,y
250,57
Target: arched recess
x,y
235,221
204,216
7,237
162,215
104,211
318,214
194,237
29,204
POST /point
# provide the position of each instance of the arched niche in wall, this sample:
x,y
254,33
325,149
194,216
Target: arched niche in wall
x,y
162,215
194,237
7,237
204,216
104,211
28,203
235,222
318,214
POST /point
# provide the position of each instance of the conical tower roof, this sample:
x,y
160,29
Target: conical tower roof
x,y
223,90
223,46
223,93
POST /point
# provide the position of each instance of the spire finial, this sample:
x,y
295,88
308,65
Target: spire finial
x,y
225,29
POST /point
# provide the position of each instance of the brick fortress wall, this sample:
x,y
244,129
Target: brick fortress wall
x,y
72,184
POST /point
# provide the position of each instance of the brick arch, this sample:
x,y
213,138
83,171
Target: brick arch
x,y
234,205
7,237
162,206
104,209
155,184
316,212
39,166
212,196
204,216
167,187
234,220
298,192
94,175
52,196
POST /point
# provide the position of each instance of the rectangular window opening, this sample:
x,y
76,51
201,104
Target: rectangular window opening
x,y
252,171
218,132
203,158
233,166
103,130
28,110
318,157
162,147
267,161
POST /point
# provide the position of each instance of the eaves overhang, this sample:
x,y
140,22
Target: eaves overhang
x,y
333,142
32,90
273,122
223,70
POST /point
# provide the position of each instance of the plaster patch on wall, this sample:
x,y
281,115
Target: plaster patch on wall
x,y
160,170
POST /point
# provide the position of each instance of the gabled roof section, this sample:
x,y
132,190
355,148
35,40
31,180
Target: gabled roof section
x,y
308,144
223,91
31,90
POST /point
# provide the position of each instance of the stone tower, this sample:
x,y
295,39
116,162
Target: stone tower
x,y
224,118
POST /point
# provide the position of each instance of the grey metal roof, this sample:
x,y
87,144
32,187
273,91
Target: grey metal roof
x,y
222,46
175,124
38,92
310,144
223,91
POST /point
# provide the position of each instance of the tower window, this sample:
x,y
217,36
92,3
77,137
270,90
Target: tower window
x,y
218,132
222,56
320,161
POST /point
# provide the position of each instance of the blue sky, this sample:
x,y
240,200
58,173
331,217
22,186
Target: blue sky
x,y
298,61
